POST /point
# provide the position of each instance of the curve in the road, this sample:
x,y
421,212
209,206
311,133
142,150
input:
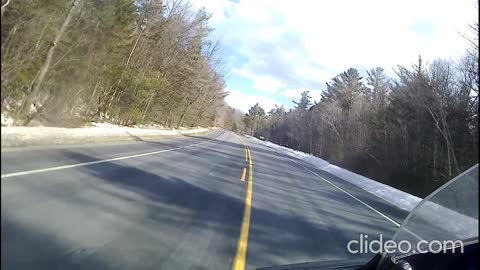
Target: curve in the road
x,y
8,175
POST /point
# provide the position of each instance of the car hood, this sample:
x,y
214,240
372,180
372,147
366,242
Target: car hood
x,y
333,264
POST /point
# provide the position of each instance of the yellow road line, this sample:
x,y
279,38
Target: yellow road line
x,y
241,256
244,148
243,174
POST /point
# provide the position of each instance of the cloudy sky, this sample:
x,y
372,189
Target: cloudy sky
x,y
274,49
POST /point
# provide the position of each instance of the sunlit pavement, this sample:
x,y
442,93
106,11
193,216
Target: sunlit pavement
x,y
178,209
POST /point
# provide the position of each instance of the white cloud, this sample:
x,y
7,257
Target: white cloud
x,y
279,45
261,83
243,102
379,33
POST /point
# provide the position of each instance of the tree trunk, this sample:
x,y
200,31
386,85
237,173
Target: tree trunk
x,y
310,140
452,147
43,32
384,137
180,121
4,7
448,140
434,172
37,82
189,103
145,110
405,147
320,150
202,111
152,94
449,161
116,85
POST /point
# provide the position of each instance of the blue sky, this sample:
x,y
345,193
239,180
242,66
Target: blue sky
x,y
275,49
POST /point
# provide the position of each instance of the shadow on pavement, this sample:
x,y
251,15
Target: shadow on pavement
x,y
183,211
30,248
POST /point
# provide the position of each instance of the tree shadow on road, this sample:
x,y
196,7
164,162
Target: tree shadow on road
x,y
175,215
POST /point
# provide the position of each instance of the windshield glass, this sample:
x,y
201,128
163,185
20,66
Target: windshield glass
x,y
234,134
450,213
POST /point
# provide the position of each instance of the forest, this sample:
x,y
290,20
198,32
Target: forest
x,y
65,63
413,132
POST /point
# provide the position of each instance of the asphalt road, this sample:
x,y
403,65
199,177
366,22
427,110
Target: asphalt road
x,y
178,203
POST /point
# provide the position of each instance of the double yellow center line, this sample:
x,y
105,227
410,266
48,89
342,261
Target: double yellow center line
x,y
240,257
244,173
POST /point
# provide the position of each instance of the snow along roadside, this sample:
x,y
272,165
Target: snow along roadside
x,y
30,136
392,195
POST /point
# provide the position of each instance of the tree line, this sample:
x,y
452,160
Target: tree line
x,y
413,132
123,61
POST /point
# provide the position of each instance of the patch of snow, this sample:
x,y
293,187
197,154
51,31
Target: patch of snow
x,y
32,108
105,125
392,195
19,136
6,120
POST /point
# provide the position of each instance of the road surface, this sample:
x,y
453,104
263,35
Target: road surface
x,y
178,203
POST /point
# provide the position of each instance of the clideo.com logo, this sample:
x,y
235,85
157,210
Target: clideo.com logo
x,y
365,245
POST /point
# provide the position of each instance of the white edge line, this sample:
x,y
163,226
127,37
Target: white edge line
x,y
8,175
341,189
346,192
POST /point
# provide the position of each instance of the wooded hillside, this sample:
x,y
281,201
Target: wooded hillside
x,y
414,132
124,61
